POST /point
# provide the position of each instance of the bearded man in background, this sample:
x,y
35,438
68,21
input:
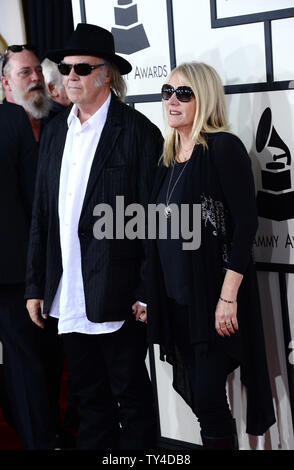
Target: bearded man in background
x,y
26,379
23,83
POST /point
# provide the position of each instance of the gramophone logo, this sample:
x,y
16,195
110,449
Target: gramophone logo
x,y
129,36
276,200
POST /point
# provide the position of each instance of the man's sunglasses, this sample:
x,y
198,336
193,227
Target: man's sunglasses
x,y
16,48
183,93
82,68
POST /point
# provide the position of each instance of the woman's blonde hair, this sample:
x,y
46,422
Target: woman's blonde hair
x,y
210,114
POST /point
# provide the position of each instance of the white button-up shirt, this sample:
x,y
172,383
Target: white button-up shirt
x,y
80,146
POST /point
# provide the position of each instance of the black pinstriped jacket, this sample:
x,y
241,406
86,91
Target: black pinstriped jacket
x,y
124,164
18,164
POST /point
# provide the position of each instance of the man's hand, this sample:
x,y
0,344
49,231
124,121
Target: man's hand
x,y
35,309
140,312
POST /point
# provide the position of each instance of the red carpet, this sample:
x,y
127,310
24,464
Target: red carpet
x,y
9,439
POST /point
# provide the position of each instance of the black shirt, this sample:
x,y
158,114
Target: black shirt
x,y
174,260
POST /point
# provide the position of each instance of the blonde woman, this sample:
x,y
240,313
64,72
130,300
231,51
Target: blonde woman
x,y
203,304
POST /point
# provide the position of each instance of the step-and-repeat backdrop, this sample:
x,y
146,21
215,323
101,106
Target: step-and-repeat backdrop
x,y
251,46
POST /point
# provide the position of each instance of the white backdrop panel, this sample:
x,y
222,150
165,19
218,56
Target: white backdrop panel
x,y
279,436
12,30
274,242
176,419
283,40
229,8
76,11
290,296
237,52
151,64
12,27
154,112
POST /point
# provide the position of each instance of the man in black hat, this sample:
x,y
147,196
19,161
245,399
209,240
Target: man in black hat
x,y
98,150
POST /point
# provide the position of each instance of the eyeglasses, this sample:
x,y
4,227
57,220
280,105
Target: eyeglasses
x,y
183,93
16,48
82,68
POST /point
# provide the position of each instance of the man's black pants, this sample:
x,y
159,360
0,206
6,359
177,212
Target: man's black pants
x,y
112,389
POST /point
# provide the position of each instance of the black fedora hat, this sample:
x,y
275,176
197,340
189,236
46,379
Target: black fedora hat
x,y
90,39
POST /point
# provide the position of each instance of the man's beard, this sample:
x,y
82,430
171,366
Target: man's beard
x,y
37,106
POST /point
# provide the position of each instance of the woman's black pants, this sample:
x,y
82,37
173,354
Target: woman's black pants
x,y
207,372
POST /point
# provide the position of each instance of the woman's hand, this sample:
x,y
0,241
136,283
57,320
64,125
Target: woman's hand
x,y
226,322
140,312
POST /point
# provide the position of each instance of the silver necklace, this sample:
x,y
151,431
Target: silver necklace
x,y
182,150
167,209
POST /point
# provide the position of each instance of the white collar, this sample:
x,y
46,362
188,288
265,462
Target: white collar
x,y
95,120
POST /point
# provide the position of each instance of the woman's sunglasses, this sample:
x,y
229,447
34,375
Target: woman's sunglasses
x,y
82,68
183,93
16,48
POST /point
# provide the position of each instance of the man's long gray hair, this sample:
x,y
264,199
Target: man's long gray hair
x,y
117,82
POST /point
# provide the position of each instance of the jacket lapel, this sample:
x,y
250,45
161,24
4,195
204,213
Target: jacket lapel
x,y
160,175
105,147
59,144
